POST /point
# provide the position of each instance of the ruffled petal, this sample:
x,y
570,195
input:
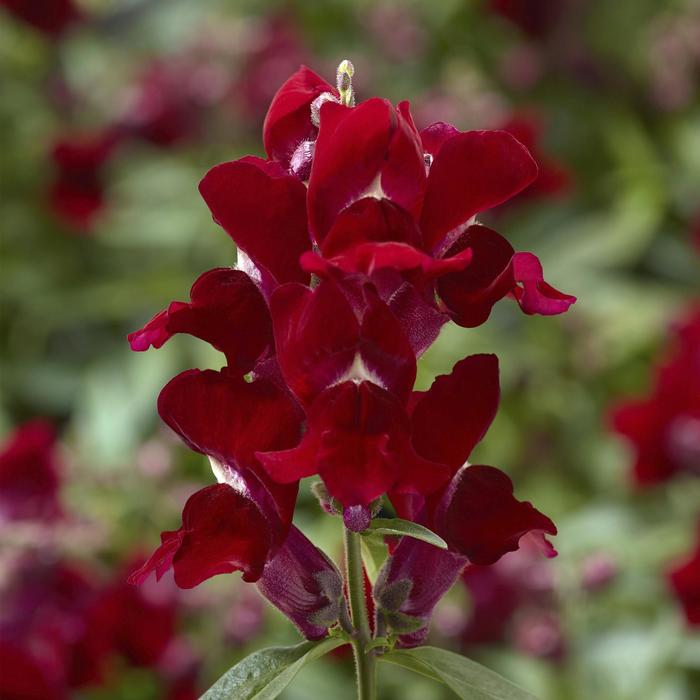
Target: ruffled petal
x,y
451,417
263,210
226,310
222,532
533,294
480,518
473,171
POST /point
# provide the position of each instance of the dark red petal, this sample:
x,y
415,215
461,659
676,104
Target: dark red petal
x,y
384,349
420,320
303,582
316,334
454,414
533,294
367,150
226,310
473,171
222,532
264,213
357,440
52,18
481,519
227,418
435,135
470,295
288,120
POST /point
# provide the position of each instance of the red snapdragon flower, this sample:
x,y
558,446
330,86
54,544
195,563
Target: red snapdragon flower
x,y
30,474
664,428
320,367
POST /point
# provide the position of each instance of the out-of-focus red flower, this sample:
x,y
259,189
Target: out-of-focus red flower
x,y
276,52
664,428
30,474
536,18
51,17
76,194
684,580
553,179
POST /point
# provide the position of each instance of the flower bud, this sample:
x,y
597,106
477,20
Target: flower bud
x,y
411,583
305,585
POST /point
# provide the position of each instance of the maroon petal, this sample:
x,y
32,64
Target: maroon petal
x,y
304,584
316,334
473,171
369,150
222,532
470,295
288,121
226,417
263,211
320,342
454,414
226,309
229,419
533,294
357,440
480,518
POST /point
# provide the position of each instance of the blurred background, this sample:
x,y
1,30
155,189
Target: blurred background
x,y
110,113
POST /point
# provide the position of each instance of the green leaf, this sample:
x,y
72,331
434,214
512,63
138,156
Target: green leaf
x,y
398,526
468,679
266,673
374,553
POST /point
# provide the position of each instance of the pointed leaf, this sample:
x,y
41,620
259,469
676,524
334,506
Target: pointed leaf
x,y
398,526
468,679
264,674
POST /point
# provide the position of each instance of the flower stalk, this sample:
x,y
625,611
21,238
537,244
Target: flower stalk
x,y
365,660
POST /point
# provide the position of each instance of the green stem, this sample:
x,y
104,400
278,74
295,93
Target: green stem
x,y
364,660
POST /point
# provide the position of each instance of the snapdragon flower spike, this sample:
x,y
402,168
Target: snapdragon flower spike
x,y
263,209
226,309
302,582
222,531
321,342
358,441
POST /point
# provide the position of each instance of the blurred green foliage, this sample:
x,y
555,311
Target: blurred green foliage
x,y
619,240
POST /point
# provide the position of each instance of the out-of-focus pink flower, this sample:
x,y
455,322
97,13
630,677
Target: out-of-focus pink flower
x,y
397,31
30,474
